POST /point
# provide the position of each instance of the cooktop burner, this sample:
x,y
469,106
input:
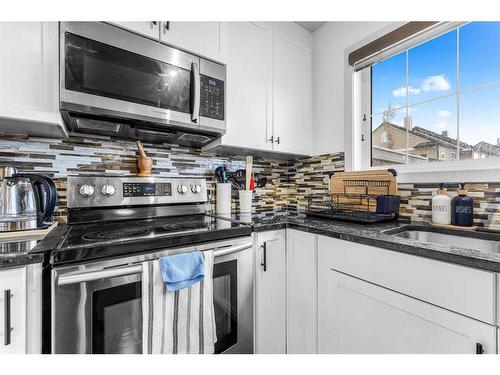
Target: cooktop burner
x,y
115,234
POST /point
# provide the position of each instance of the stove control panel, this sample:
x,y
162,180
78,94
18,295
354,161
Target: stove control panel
x,y
102,191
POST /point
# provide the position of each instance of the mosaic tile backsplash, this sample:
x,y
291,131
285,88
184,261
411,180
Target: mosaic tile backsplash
x,y
290,182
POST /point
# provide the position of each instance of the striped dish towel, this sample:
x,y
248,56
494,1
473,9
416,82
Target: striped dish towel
x,y
180,322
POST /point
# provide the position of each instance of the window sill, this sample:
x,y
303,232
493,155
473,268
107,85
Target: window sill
x,y
453,171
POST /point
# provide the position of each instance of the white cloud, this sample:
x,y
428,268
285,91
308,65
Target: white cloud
x,y
444,113
401,92
441,125
436,83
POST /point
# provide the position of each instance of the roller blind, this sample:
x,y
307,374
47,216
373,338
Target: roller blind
x,y
390,39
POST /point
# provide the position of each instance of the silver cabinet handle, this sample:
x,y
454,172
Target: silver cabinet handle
x,y
152,24
195,92
277,140
233,249
7,326
98,275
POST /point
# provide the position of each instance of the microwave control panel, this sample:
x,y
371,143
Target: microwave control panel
x,y
211,97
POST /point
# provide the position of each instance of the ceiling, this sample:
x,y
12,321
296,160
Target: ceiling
x,y
309,25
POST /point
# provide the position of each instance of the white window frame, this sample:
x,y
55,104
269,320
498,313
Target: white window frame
x,y
357,102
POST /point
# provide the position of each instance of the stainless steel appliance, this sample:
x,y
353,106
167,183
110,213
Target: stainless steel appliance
x,y
27,201
116,83
95,262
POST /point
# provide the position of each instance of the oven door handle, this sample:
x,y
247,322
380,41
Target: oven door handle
x,y
99,275
233,249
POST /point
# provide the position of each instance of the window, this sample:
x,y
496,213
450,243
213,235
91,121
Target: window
x,y
438,101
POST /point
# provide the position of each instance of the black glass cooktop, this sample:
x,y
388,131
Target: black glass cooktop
x,y
89,235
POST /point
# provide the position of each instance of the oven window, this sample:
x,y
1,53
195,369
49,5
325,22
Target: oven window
x,y
117,320
100,69
225,281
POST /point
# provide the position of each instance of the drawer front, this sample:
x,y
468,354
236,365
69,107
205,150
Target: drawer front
x,y
461,289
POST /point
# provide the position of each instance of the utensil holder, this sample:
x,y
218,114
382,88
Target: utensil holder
x,y
245,197
223,198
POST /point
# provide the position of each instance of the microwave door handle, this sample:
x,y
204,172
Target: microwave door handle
x,y
195,92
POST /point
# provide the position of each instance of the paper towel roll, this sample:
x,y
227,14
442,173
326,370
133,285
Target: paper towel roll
x,y
223,198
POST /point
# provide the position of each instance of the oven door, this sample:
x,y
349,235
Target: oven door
x,y
99,316
233,302
97,308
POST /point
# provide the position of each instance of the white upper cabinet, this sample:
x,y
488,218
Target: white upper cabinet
x,y
292,92
248,85
269,89
207,39
150,29
29,79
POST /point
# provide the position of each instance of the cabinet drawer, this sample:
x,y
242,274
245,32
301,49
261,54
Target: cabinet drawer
x,y
461,289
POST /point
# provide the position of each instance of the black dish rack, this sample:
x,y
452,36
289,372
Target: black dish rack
x,y
356,207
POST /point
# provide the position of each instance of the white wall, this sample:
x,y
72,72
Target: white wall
x,y
329,44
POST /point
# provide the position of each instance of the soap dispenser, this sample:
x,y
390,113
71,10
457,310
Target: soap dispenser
x,y
462,209
441,206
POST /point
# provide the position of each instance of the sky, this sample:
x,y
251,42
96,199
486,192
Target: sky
x,y
432,73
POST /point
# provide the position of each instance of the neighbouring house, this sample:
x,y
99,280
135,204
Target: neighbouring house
x,y
389,146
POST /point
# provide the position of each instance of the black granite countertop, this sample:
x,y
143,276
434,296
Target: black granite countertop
x,y
19,252
376,235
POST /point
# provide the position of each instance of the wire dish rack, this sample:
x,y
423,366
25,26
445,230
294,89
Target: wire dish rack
x,y
362,201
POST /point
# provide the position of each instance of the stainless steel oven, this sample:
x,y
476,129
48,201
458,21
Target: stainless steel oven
x,y
96,307
114,82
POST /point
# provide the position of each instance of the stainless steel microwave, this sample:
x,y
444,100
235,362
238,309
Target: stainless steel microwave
x,y
116,83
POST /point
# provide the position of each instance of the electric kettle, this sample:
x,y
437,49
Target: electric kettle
x,y
27,201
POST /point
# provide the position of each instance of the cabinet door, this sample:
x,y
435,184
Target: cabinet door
x,y
270,328
301,293
292,101
206,39
29,71
13,306
359,317
148,28
248,85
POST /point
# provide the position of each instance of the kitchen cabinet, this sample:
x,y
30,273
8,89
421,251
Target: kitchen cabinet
x,y
361,317
465,290
13,310
207,39
20,299
29,79
301,260
269,95
248,122
150,29
270,327
292,95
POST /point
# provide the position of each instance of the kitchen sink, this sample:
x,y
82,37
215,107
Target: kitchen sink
x,y
464,239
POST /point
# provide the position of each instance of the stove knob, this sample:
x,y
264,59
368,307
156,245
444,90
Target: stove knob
x,y
182,189
86,190
108,190
196,189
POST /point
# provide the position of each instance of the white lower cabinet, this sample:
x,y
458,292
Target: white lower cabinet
x,y
13,310
356,316
302,286
20,310
270,324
